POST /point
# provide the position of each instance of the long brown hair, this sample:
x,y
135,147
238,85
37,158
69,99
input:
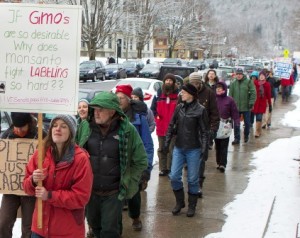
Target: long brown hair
x,y
48,142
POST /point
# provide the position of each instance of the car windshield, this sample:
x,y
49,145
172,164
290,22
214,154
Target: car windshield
x,y
135,84
82,95
88,65
111,66
128,64
228,70
151,67
170,61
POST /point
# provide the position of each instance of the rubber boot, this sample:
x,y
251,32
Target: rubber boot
x,y
258,129
179,195
192,205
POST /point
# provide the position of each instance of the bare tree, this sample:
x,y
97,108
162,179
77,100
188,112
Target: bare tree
x,y
100,20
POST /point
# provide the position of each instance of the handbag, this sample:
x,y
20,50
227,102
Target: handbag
x,y
225,128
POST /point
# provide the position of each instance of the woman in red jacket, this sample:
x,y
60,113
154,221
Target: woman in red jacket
x,y
263,98
67,181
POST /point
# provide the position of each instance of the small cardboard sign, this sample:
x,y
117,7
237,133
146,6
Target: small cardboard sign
x,y
14,156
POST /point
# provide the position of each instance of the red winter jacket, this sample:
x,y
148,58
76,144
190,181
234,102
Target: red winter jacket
x,y
163,109
287,82
70,182
260,104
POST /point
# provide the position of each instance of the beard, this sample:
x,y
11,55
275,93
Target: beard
x,y
168,88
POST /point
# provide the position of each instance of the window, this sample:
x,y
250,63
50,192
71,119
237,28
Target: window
x,y
124,44
109,43
148,47
131,44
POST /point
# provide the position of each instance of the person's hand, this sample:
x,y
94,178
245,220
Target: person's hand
x,y
251,106
38,175
212,134
270,109
41,192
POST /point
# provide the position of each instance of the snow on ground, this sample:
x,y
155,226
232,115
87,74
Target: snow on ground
x,y
269,207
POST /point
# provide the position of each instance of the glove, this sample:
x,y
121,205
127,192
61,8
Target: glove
x,y
212,134
270,109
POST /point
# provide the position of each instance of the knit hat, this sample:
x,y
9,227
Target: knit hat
x,y
139,93
125,88
83,100
191,89
170,76
20,119
69,120
239,71
263,73
107,100
195,76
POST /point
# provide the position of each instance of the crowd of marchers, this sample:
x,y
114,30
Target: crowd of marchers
x,y
95,166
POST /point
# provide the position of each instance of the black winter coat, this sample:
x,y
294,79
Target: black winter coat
x,y
190,125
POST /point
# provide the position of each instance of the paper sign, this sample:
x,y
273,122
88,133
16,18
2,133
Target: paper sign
x,y
282,68
39,57
14,156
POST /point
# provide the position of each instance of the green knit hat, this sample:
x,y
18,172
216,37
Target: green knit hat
x,y
107,100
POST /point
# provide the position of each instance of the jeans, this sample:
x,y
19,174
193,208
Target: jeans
x,y
237,132
259,117
103,215
192,157
34,235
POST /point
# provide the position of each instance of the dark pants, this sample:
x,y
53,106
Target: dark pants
x,y
201,172
221,146
237,131
165,160
8,214
134,206
103,215
34,235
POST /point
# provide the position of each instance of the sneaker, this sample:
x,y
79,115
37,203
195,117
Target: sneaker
x,y
235,142
222,168
137,224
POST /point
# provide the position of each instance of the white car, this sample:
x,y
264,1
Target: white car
x,y
149,87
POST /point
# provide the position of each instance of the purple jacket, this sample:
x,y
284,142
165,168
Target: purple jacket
x,y
227,107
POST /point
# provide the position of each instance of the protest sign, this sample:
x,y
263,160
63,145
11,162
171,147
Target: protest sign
x,y
39,57
14,155
282,68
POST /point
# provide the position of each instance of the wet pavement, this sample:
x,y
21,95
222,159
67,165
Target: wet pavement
x,y
219,189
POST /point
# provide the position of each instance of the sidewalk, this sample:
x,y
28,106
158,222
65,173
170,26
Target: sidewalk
x,y
258,196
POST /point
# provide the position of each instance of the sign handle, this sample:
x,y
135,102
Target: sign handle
x,y
40,166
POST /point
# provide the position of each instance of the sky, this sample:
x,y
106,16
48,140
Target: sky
x,y
272,196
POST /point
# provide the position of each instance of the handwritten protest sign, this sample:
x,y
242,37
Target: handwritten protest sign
x,y
39,57
282,68
14,155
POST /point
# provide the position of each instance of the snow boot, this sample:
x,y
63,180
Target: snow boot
x,y
179,195
192,205
258,129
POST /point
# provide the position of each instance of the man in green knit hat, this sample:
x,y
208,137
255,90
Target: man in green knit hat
x,y
118,159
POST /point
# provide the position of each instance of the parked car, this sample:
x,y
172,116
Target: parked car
x,y
92,70
150,71
172,61
149,87
229,70
182,71
133,67
197,63
115,71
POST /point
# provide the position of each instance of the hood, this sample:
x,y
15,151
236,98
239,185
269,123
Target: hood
x,y
107,100
139,107
224,86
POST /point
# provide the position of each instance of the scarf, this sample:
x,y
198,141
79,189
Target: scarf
x,y
261,90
